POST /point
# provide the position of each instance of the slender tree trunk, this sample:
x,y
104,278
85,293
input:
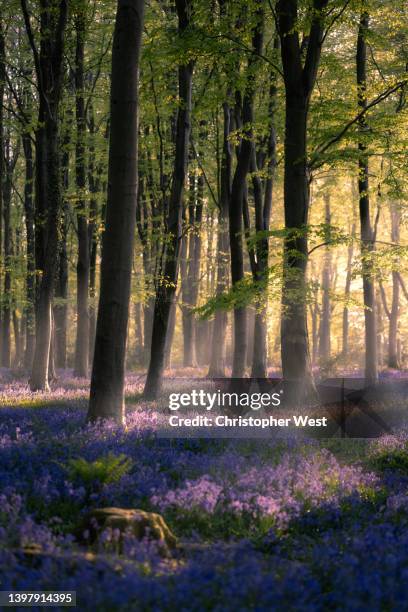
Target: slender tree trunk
x,y
380,328
7,298
238,193
187,265
263,207
30,232
108,371
325,320
94,184
138,352
347,289
393,361
367,244
219,326
60,310
167,288
18,340
82,338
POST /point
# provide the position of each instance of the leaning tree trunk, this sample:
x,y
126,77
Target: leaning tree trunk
x,y
299,81
108,372
367,235
167,285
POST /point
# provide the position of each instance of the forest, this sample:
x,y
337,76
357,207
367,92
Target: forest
x,y
198,193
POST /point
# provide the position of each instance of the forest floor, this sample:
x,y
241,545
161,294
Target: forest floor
x,y
262,524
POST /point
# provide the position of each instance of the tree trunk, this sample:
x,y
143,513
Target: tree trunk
x,y
61,291
94,180
82,337
238,193
7,299
347,288
296,366
170,334
48,63
18,340
30,232
263,196
2,83
60,310
187,266
367,237
138,351
393,361
108,371
168,283
299,81
325,320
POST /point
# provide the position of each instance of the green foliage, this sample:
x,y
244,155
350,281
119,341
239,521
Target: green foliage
x,y
220,525
104,470
395,460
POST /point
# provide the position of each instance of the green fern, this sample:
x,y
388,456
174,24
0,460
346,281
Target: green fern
x,y
104,470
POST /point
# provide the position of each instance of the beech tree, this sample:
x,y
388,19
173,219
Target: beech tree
x,y
48,62
366,229
108,371
171,249
299,73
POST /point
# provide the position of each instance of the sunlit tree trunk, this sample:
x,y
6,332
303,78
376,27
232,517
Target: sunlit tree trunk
x,y
347,291
393,361
325,320
219,328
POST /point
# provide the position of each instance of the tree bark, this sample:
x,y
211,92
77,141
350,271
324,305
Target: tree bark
x,y
219,329
393,361
48,64
238,192
30,232
299,83
347,288
325,320
82,337
7,298
168,282
60,310
367,237
2,82
108,371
